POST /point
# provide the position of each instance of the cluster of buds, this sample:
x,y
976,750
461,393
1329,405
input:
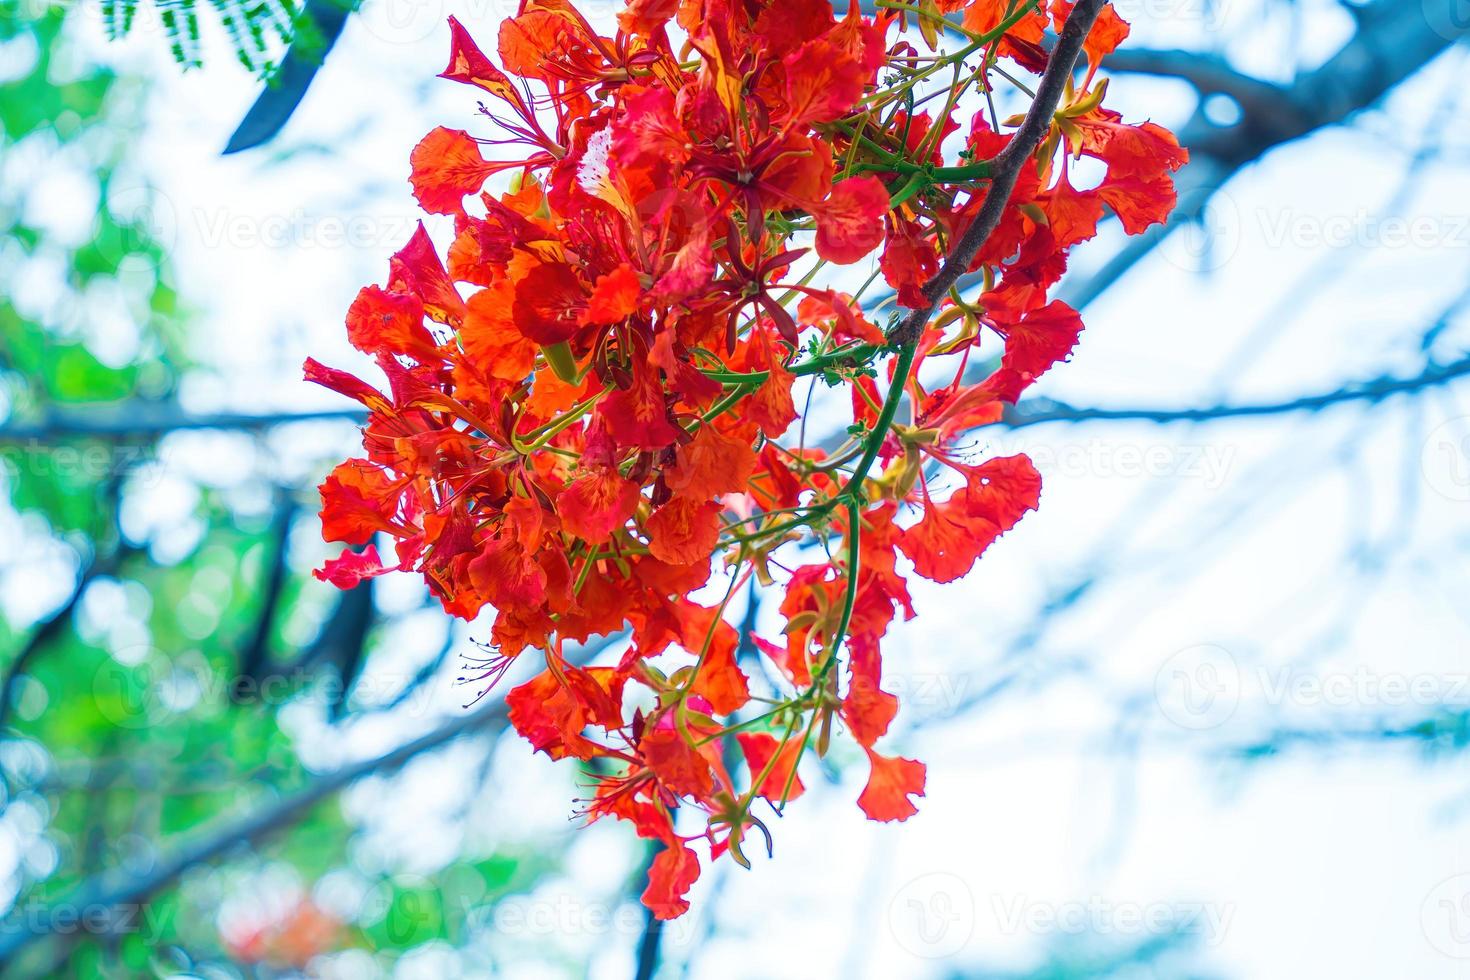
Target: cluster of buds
x,y
589,409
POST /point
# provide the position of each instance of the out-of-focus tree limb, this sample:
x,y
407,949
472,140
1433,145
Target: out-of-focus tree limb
x,y
118,890
143,420
1037,411
288,85
98,566
1394,40
1211,74
1032,411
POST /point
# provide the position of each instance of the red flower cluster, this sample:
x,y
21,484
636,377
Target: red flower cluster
x,y
577,438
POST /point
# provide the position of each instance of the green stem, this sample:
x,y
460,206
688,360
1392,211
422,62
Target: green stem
x,y
543,434
813,365
852,495
885,421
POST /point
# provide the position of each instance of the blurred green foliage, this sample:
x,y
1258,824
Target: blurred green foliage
x,y
122,646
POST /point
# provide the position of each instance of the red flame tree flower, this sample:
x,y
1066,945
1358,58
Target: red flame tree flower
x,y
589,402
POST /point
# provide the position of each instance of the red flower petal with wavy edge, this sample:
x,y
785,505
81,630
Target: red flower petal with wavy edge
x,y
673,871
684,531
1145,150
890,784
710,464
1072,215
787,25
908,261
528,40
381,322
1038,340
1021,40
615,296
1108,30
850,220
879,580
526,520
867,708
358,500
416,269
597,503
647,18
550,301
546,714
447,168
770,406
491,339
348,569
344,384
690,270
468,64
839,316
639,416
952,535
692,384
791,664
822,82
676,763
649,132
721,681
508,575
1139,201
718,679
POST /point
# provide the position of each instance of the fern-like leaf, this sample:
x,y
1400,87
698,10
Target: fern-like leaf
x,y
260,31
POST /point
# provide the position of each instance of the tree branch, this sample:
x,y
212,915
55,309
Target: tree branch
x,y
1006,168
1211,74
1394,40
142,420
119,889
1039,411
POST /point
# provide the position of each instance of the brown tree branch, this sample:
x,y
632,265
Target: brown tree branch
x,y
1005,169
1394,40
